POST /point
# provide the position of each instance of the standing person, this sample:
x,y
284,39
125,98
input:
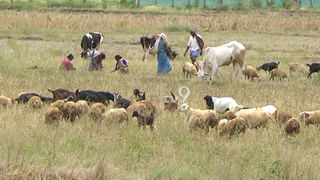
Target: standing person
x,y
195,44
121,64
95,60
66,63
162,46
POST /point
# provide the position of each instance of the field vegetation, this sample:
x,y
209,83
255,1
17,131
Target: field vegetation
x,y
29,149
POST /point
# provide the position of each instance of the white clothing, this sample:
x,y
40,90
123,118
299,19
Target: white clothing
x,y
192,43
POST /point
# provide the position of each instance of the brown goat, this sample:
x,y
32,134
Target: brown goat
x,y
296,67
235,126
313,119
292,126
251,72
277,73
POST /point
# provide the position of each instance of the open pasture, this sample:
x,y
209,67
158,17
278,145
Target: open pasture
x,y
29,149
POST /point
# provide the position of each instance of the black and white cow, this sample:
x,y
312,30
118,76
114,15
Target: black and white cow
x,y
148,41
91,40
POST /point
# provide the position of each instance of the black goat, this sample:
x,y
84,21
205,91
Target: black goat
x,y
120,102
313,67
269,66
139,95
144,120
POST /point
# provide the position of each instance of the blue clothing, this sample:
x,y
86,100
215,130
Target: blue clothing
x,y
194,53
124,62
164,64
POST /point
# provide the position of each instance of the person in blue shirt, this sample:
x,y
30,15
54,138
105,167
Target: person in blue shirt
x,y
122,64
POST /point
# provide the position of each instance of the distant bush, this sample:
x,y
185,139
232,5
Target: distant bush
x,y
71,4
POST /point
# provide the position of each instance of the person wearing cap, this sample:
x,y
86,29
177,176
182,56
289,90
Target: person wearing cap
x,y
95,60
161,46
66,63
121,64
195,44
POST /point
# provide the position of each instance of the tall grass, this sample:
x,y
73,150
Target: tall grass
x,y
86,150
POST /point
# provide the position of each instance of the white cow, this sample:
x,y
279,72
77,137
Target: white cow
x,y
232,52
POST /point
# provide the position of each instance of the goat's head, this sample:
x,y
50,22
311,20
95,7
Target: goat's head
x,y
136,91
141,97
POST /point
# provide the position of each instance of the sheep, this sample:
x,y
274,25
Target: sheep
x,y
282,117
197,64
269,66
96,111
82,107
53,115
5,101
203,119
144,120
139,95
58,104
250,72
35,102
313,119
304,115
292,126
70,111
120,102
222,104
116,114
229,115
137,106
293,67
270,109
235,126
189,69
257,119
277,73
171,102
313,67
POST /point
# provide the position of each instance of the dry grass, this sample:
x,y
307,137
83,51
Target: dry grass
x,y
30,149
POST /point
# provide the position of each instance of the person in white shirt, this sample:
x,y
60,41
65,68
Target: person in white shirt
x,y
195,44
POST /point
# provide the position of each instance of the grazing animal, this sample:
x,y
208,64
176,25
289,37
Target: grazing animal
x,y
58,104
232,127
171,102
116,115
296,67
304,115
269,66
90,41
24,97
120,102
229,115
95,96
250,73
139,95
257,119
137,106
70,111
82,107
189,69
35,102
52,116
222,104
314,118
292,126
203,119
148,41
144,120
60,93
277,73
46,99
96,111
214,57
313,67
282,117
5,101
270,109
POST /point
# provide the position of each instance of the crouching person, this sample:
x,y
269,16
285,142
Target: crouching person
x,y
66,63
95,60
121,64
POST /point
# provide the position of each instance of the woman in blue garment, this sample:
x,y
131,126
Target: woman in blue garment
x,y
164,64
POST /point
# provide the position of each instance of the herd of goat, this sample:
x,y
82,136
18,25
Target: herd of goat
x,y
224,113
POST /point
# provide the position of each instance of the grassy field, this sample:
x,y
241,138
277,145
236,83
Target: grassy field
x,y
29,149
